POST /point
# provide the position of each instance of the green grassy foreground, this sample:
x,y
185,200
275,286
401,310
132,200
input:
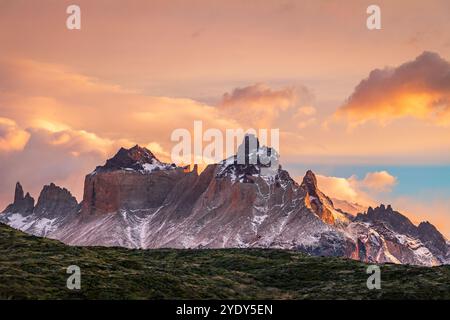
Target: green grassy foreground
x,y
35,268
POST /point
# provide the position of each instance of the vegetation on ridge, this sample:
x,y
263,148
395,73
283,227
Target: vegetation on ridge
x,y
35,268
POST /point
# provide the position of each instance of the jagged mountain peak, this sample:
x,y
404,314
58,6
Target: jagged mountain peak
x,y
425,241
252,160
249,145
136,158
310,182
129,157
319,203
426,224
22,203
428,228
55,207
386,214
50,191
398,221
250,151
428,233
139,153
55,201
18,192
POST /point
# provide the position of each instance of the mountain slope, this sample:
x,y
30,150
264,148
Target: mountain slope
x,y
35,268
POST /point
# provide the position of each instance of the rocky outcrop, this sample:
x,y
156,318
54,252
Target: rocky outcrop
x,y
134,159
394,219
389,236
432,238
315,199
55,207
134,179
54,202
319,203
22,204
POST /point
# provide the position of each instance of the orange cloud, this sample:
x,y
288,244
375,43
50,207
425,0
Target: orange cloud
x,y
354,190
72,123
56,98
33,98
12,138
348,189
306,111
419,88
380,181
260,106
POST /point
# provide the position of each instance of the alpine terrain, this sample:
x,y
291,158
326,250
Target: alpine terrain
x,y
136,201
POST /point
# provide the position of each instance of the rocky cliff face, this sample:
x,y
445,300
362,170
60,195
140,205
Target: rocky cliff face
x,y
22,204
395,220
136,201
55,208
385,235
55,201
433,239
133,179
319,203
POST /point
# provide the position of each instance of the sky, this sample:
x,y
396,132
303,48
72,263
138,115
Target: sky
x,y
367,110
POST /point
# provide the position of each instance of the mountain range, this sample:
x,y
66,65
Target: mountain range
x,y
136,201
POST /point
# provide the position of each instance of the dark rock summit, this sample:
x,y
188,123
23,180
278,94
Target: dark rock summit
x,y
394,219
136,158
54,209
54,202
431,237
22,204
309,183
132,158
